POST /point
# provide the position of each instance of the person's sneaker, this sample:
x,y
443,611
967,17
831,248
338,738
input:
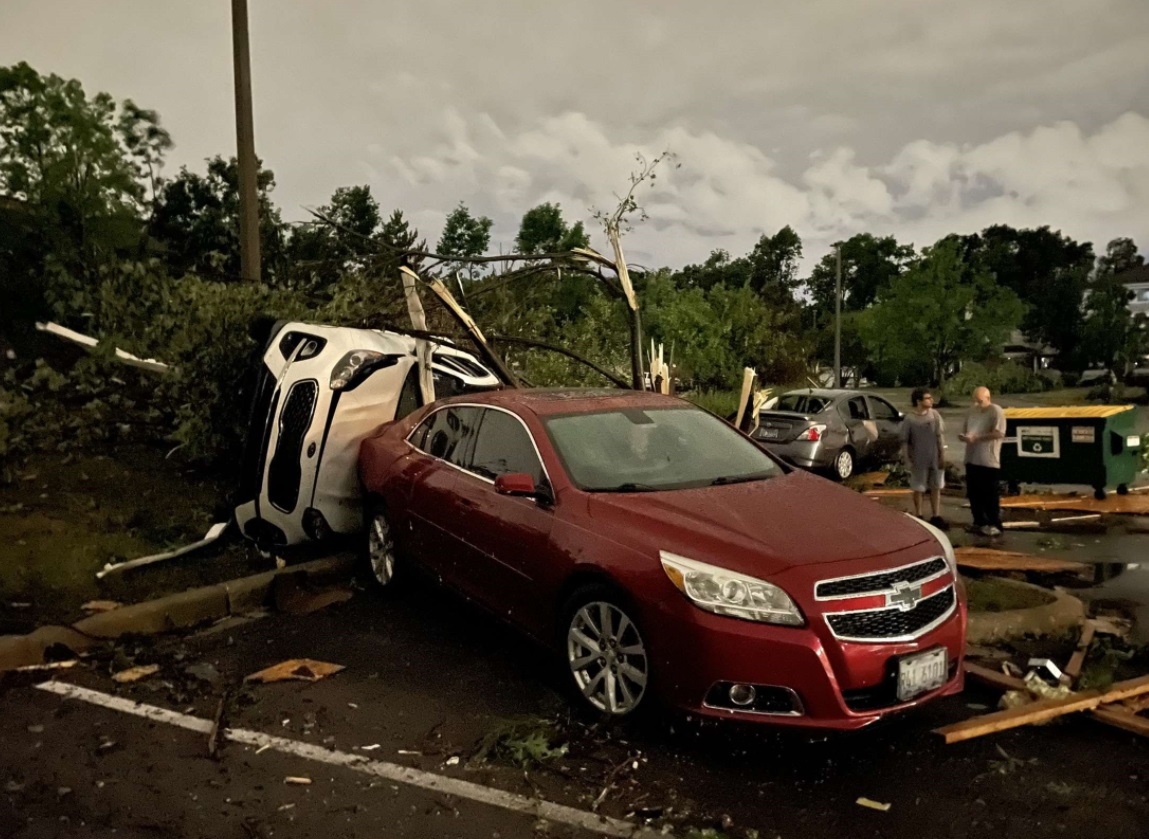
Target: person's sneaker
x,y
987,530
994,531
940,523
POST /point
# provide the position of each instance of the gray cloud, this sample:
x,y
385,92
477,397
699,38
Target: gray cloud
x,y
913,117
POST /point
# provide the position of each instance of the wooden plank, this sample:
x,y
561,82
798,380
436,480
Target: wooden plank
x,y
1073,668
419,321
1141,703
1043,709
1121,718
989,559
1115,504
993,678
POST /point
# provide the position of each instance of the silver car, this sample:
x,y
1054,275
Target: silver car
x,y
833,430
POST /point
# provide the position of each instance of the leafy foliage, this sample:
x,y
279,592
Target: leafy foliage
x,y
543,230
196,222
937,313
1001,378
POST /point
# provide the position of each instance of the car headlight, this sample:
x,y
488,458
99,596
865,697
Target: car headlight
x,y
349,365
942,540
729,593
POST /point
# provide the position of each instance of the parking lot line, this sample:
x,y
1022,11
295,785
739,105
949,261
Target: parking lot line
x,y
381,769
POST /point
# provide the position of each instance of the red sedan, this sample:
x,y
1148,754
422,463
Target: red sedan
x,y
666,555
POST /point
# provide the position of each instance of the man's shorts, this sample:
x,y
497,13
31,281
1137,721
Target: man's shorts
x,y
926,478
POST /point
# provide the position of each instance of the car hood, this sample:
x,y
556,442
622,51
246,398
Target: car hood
x,y
760,527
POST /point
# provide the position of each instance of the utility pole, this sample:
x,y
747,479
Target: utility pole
x,y
245,140
838,323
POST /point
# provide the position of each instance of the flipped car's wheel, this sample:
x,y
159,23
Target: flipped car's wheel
x,y
844,464
380,547
605,652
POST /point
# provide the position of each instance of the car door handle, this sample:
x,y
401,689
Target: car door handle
x,y
467,502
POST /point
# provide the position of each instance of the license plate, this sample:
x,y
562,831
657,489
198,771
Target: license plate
x,y
921,672
770,433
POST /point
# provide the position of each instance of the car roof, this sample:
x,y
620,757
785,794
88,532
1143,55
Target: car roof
x,y
551,401
824,392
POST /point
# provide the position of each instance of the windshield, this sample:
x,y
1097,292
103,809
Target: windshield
x,y
801,403
634,450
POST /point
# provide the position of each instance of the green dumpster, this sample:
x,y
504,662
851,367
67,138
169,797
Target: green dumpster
x,y
1093,445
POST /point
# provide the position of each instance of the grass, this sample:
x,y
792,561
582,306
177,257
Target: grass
x,y
992,595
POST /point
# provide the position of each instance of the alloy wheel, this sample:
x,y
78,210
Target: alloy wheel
x,y
381,549
607,657
844,464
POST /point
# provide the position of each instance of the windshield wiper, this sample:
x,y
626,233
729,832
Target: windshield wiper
x,y
722,480
630,486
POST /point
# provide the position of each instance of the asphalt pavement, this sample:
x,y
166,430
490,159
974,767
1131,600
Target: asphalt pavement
x,y
429,684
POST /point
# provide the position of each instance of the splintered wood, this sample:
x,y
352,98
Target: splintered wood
x,y
299,669
1136,504
1101,703
988,559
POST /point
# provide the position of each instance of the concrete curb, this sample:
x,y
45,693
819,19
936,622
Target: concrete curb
x,y
1064,613
176,611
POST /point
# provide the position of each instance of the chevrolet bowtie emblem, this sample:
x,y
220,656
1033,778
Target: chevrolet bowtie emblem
x,y
905,596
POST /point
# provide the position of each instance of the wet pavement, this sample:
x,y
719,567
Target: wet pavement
x,y
428,678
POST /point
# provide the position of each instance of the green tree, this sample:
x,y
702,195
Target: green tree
x,y
196,222
1120,256
1047,271
543,230
868,264
72,167
464,235
319,253
715,332
773,266
938,312
1113,336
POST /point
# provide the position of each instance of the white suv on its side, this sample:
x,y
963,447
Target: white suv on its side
x,y
320,391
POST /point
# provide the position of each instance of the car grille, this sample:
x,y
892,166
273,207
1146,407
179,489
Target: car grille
x,y
285,472
879,583
892,623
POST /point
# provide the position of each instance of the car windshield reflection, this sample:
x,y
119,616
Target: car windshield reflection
x,y
655,449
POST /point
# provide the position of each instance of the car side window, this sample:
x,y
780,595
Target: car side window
x,y
447,434
504,446
853,409
882,410
411,396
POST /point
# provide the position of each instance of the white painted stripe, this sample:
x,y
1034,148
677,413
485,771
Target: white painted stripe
x,y
377,768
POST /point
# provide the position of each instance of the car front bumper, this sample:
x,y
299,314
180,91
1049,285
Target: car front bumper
x,y
835,684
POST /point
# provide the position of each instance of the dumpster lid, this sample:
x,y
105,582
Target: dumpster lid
x,y
1067,412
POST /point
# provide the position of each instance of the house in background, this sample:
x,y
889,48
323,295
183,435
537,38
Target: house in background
x,y
1020,350
1137,281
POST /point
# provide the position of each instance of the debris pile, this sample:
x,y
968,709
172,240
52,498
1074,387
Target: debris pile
x,y
1048,691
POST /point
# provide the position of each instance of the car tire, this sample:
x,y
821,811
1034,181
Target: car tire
x,y
844,464
605,653
380,554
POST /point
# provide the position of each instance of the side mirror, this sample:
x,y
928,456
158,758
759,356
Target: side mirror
x,y
516,483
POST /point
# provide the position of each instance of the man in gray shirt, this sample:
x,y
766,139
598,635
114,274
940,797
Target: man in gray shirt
x,y
982,433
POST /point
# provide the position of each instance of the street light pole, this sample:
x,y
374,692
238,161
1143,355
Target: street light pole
x,y
245,141
838,323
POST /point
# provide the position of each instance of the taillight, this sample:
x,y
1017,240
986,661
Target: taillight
x,y
812,434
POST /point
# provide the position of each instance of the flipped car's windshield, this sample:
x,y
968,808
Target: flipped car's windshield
x,y
641,450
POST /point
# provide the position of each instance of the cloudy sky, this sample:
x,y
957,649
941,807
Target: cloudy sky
x,y
909,117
